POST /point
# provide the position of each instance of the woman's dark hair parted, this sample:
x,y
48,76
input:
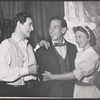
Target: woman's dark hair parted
x,y
88,32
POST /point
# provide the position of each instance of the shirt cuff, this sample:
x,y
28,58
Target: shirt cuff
x,y
37,47
24,71
27,78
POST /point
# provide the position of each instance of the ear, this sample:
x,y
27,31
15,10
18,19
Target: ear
x,y
19,24
88,38
64,30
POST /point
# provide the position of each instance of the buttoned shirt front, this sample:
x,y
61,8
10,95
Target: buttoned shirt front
x,y
11,74
23,46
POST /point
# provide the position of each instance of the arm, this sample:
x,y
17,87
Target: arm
x,y
48,76
86,68
8,73
67,76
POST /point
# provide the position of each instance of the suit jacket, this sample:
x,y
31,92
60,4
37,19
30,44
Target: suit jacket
x,y
47,60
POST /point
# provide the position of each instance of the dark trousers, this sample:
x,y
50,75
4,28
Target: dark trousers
x,y
31,89
2,88
12,91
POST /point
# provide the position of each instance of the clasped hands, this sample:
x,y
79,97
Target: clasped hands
x,y
34,69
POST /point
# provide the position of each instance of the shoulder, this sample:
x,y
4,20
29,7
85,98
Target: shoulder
x,y
29,46
72,46
41,50
5,43
4,46
93,54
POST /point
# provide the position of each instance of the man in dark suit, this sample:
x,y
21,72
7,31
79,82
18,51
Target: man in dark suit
x,y
59,58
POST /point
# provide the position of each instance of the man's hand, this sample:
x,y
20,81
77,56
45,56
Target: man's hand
x,y
33,69
44,43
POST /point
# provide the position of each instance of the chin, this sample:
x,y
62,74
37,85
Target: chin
x,y
80,46
53,39
28,35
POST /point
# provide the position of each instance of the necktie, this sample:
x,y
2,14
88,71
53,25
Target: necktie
x,y
59,44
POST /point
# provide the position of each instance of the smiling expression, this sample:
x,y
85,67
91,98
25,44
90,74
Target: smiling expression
x,y
55,30
27,27
82,39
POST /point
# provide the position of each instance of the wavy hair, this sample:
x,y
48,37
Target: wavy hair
x,y
20,17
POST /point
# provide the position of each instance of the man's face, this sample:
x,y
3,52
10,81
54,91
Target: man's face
x,y
55,30
27,27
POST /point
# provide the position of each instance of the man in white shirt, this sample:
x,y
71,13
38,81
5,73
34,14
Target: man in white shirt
x,y
17,59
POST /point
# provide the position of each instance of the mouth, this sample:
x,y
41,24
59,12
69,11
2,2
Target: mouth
x,y
52,35
79,43
29,33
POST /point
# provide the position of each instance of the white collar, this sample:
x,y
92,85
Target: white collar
x,y
57,42
87,50
18,40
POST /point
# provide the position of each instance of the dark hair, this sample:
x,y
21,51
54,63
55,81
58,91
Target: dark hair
x,y
88,32
63,21
20,17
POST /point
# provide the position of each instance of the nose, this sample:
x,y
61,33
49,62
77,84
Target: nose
x,y
77,40
51,30
32,27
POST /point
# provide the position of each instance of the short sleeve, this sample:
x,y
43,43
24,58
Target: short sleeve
x,y
86,68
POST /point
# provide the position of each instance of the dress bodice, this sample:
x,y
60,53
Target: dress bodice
x,y
86,65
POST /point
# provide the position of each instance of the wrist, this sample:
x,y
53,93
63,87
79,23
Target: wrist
x,y
52,77
24,71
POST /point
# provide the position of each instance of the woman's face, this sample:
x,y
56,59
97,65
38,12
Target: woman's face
x,y
81,39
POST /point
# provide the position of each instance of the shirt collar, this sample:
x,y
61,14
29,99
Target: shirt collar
x,y
18,40
87,50
57,42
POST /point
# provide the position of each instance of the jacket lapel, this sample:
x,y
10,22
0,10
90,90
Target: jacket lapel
x,y
51,55
70,52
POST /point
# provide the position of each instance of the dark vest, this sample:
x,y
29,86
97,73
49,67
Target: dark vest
x,y
64,63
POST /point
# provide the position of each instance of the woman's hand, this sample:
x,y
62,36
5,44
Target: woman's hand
x,y
46,76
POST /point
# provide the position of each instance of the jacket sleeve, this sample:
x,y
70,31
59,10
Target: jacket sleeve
x,y
38,59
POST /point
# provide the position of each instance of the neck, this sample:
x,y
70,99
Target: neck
x,y
60,40
86,47
18,34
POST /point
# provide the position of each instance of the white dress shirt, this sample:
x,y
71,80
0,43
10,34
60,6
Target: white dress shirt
x,y
13,73
61,50
23,46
